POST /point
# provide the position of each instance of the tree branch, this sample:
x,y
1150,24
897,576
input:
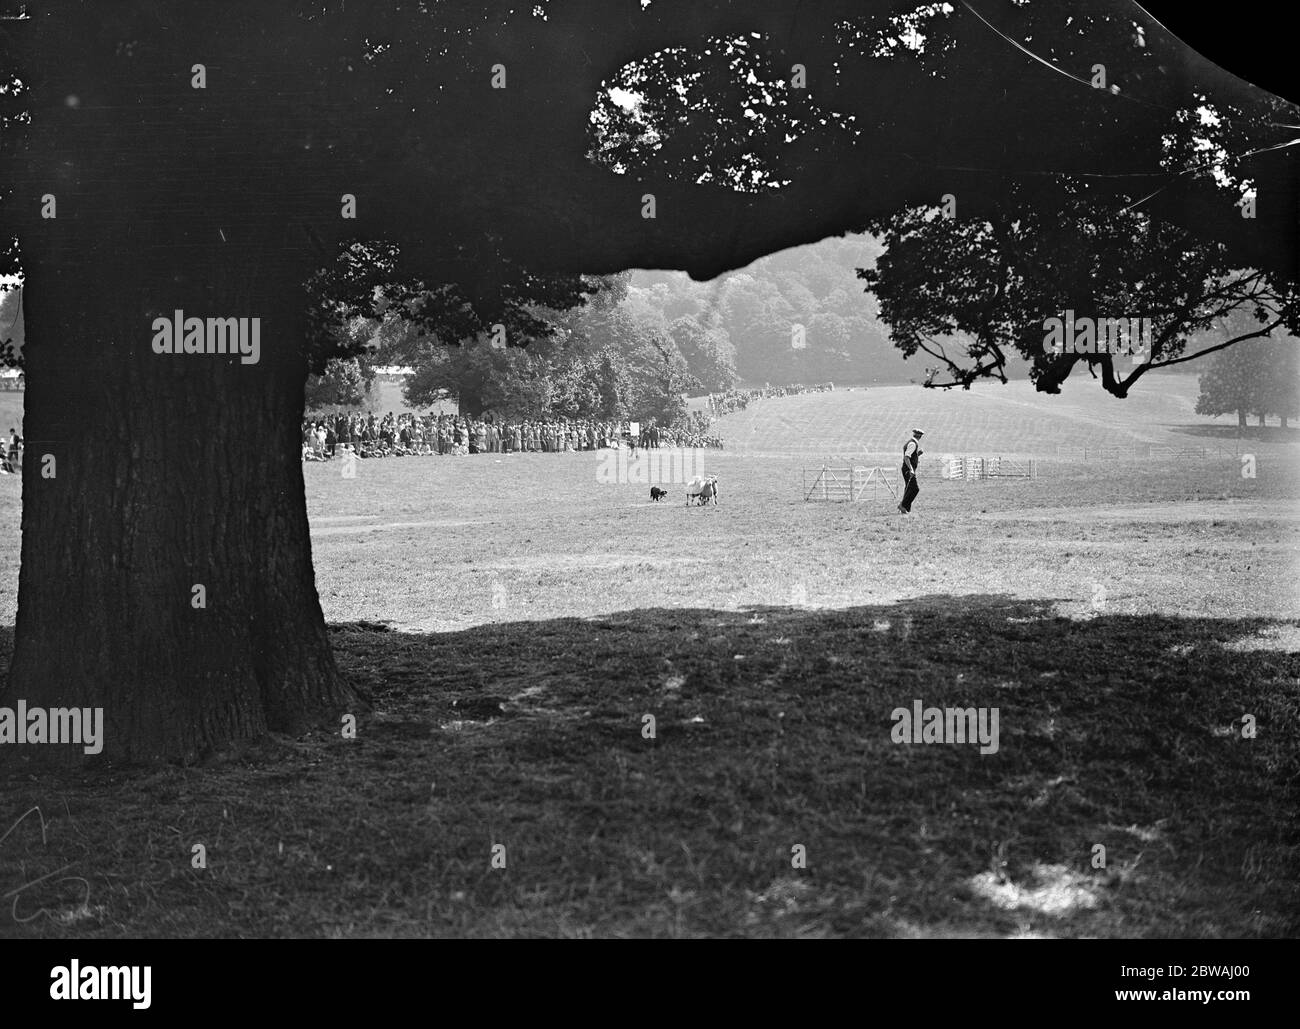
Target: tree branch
x,y
1219,346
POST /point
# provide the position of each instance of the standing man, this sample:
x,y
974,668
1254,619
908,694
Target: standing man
x,y
911,458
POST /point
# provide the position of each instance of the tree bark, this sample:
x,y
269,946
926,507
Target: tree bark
x,y
1241,418
147,475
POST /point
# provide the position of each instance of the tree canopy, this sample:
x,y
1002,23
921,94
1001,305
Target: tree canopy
x,y
972,292
1259,377
753,130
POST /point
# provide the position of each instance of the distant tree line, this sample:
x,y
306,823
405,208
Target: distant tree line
x,y
642,339
1259,377
796,316
608,356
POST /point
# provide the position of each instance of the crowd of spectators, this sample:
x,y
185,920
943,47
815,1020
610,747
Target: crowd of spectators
x,y
739,399
11,454
414,435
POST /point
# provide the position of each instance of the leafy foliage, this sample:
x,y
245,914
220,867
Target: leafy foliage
x,y
973,292
747,319
1260,377
12,334
345,382
607,357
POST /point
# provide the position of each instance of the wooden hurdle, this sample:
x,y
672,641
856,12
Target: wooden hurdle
x,y
1007,468
877,476
830,483
846,483
971,468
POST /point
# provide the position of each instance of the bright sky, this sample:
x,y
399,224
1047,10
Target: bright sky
x,y
625,98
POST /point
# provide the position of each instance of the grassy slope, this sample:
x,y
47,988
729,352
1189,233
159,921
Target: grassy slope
x,y
511,623
988,419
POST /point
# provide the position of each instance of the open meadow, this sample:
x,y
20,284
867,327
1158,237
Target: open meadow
x,y
510,623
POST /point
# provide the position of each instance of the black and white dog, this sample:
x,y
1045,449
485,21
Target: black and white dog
x,y
657,494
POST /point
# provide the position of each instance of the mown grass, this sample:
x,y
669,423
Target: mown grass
x,y
510,624
991,418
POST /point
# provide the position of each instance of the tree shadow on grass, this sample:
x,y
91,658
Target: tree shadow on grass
x,y
771,742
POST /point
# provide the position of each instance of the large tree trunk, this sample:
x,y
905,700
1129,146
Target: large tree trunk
x,y
1241,418
146,475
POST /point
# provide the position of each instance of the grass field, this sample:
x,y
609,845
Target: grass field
x,y
510,624
990,418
